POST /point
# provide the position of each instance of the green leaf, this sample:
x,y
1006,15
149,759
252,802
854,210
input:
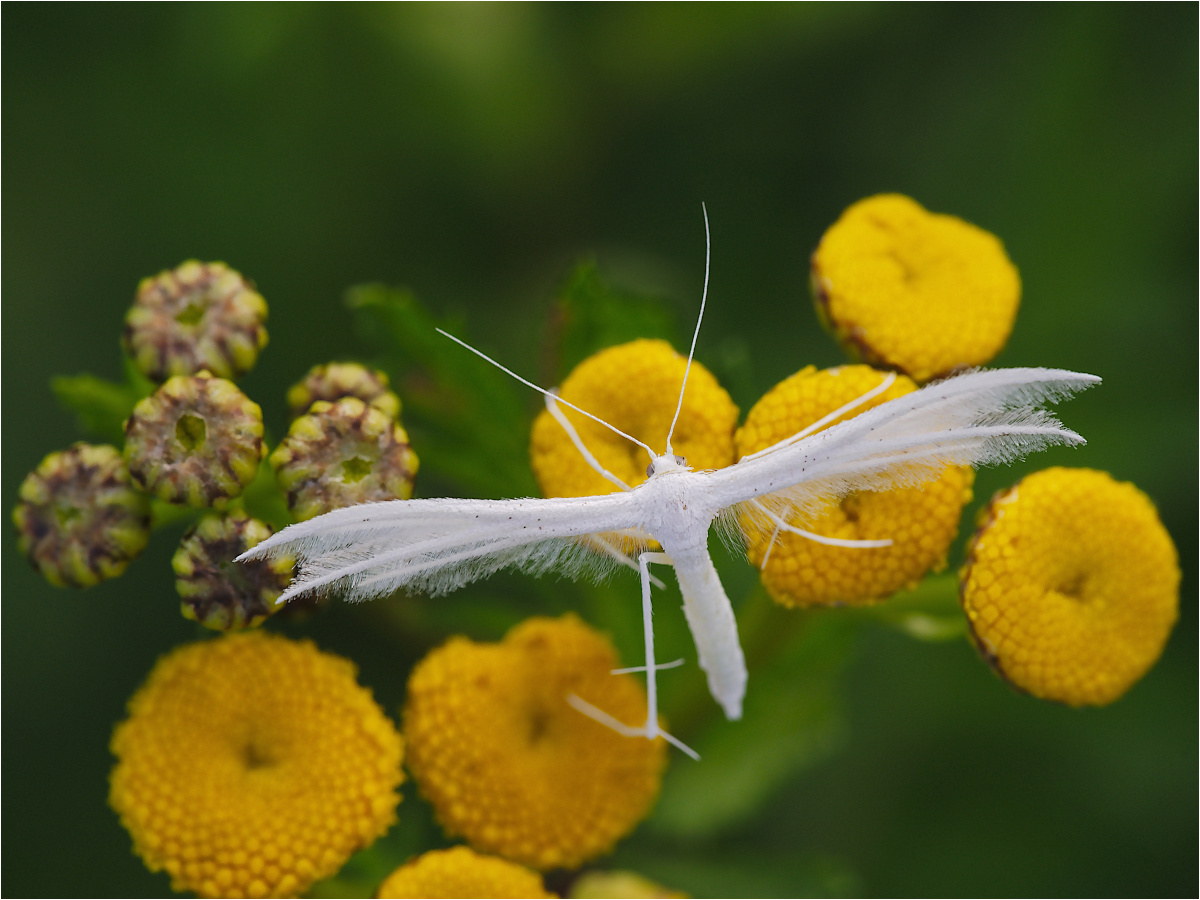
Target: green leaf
x,y
101,407
592,314
468,422
791,721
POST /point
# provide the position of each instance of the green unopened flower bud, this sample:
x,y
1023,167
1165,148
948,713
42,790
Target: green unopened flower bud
x,y
219,593
199,316
340,454
337,380
79,519
197,440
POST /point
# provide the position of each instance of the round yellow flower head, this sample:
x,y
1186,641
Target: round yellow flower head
x,y
921,522
1071,586
634,387
510,765
252,766
461,872
907,289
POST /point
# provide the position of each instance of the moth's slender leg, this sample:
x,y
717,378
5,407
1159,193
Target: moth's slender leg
x,y
608,547
594,712
826,419
588,456
673,664
644,560
781,525
621,728
650,730
770,547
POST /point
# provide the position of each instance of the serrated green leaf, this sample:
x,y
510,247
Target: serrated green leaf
x,y
468,422
100,407
592,314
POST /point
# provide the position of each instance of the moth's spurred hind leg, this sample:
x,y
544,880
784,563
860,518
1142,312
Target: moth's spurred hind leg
x,y
651,729
781,525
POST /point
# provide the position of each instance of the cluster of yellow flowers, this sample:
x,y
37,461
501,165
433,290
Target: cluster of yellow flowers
x,y
924,295
254,765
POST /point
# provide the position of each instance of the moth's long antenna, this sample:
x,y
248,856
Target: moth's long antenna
x,y
696,333
545,392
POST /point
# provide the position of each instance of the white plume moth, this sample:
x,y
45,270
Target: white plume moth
x,y
439,545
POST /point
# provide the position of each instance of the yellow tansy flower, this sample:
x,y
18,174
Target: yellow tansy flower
x,y
921,522
912,290
1071,585
461,872
253,766
634,387
505,760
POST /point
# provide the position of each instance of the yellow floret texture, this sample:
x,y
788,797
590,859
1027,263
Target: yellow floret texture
x,y
1071,585
921,522
912,290
508,764
252,766
461,872
634,387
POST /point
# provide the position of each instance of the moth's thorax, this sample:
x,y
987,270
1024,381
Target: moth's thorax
x,y
674,502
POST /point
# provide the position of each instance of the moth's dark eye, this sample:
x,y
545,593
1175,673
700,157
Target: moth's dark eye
x,y
650,469
680,460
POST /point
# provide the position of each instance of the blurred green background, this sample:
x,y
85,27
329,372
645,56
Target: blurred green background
x,y
473,154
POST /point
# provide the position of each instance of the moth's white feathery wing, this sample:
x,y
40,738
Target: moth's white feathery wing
x,y
980,418
440,545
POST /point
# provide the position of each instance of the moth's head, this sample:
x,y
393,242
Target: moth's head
x,y
668,462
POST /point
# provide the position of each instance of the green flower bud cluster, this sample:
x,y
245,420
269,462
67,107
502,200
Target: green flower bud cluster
x,y
218,592
197,440
79,518
199,316
194,441
334,381
343,453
